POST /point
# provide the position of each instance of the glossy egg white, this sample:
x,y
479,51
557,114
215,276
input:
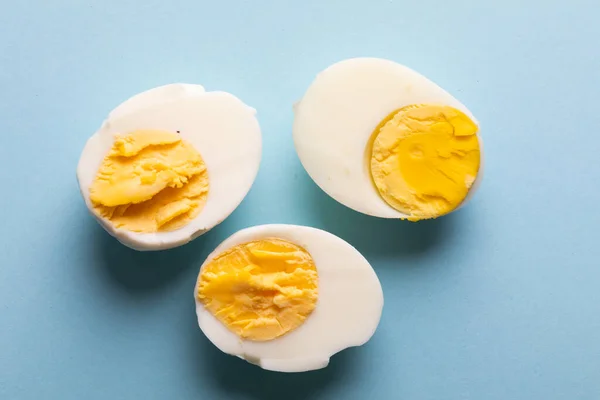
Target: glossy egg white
x,y
221,128
337,116
347,313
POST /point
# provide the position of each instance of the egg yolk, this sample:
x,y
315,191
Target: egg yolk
x,y
260,290
424,159
150,181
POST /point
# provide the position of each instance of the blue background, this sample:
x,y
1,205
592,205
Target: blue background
x,y
500,300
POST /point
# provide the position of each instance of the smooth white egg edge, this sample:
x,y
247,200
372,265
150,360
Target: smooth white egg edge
x,y
338,96
155,96
232,156
341,319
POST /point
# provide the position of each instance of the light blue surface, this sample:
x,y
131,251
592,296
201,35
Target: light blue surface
x,y
498,301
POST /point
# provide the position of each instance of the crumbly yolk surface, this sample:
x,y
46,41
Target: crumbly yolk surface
x,y
260,290
150,181
424,159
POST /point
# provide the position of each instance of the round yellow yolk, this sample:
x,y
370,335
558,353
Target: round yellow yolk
x,y
424,159
260,290
150,181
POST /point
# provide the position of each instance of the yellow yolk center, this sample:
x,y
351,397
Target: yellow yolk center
x,y
150,181
424,159
260,290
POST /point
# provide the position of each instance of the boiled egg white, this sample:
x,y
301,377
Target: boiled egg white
x,y
169,164
287,297
384,140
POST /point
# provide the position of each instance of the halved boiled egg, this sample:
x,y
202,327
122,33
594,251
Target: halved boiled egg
x,y
169,164
287,297
384,140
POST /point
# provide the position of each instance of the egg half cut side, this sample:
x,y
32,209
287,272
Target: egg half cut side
x,y
287,297
384,140
169,164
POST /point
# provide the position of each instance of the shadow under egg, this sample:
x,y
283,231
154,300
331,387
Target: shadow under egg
x,y
370,235
140,272
235,376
